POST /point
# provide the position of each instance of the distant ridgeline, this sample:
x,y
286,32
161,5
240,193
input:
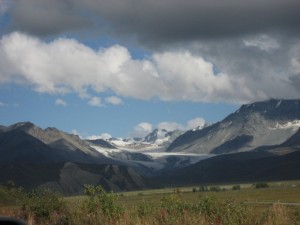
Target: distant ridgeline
x,y
258,142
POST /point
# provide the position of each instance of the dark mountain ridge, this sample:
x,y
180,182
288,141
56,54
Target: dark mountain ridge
x,y
33,157
68,147
260,141
236,167
18,146
258,124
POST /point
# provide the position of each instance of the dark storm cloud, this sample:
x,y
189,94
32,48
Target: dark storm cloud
x,y
225,50
160,20
46,17
174,20
295,81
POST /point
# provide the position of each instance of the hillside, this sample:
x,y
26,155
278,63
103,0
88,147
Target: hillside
x,y
33,157
236,167
258,124
68,147
260,141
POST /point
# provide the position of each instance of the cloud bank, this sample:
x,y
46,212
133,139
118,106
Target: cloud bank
x,y
65,65
104,136
174,20
144,128
141,130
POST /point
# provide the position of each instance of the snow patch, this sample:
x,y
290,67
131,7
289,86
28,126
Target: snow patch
x,y
105,151
278,104
288,125
158,156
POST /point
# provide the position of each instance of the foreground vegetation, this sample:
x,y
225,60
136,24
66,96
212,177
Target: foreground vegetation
x,y
198,205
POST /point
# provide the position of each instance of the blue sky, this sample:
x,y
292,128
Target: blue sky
x,y
126,67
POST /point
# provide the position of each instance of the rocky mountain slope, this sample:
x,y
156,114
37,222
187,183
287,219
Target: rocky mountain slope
x,y
254,125
250,166
157,138
261,141
69,147
33,157
162,137
16,146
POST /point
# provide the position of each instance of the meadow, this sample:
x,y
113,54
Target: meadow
x,y
250,204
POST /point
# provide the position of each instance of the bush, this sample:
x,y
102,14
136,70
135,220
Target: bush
x,y
215,188
236,187
261,185
203,188
145,209
100,200
177,191
42,205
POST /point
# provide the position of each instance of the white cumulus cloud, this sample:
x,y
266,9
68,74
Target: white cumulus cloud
x,y
144,128
262,42
60,102
141,130
65,65
170,126
75,132
114,100
195,123
103,136
95,101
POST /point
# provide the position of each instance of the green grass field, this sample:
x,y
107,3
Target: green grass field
x,y
186,205
278,192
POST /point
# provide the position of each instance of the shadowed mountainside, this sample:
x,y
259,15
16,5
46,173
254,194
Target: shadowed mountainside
x,y
236,167
33,157
258,124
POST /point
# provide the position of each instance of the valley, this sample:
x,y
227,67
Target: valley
x,y
258,142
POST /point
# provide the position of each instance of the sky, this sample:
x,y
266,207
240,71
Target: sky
x,y
122,68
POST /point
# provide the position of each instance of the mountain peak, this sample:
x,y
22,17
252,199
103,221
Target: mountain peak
x,y
22,125
257,124
279,109
52,130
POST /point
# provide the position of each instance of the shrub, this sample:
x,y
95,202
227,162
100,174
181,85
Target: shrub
x,y
236,187
177,191
203,188
43,205
100,200
215,188
172,210
145,209
261,185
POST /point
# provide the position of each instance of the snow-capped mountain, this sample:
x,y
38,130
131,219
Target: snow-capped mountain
x,y
254,125
34,157
162,137
148,154
156,139
262,137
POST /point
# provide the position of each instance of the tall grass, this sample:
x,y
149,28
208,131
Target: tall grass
x,y
100,207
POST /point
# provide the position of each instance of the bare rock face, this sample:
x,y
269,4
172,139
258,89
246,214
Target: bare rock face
x,y
67,147
258,124
73,177
33,157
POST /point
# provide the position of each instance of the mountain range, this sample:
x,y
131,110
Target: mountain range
x,y
33,157
260,141
254,125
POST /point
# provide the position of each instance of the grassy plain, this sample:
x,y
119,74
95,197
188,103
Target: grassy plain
x,y
185,205
277,192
